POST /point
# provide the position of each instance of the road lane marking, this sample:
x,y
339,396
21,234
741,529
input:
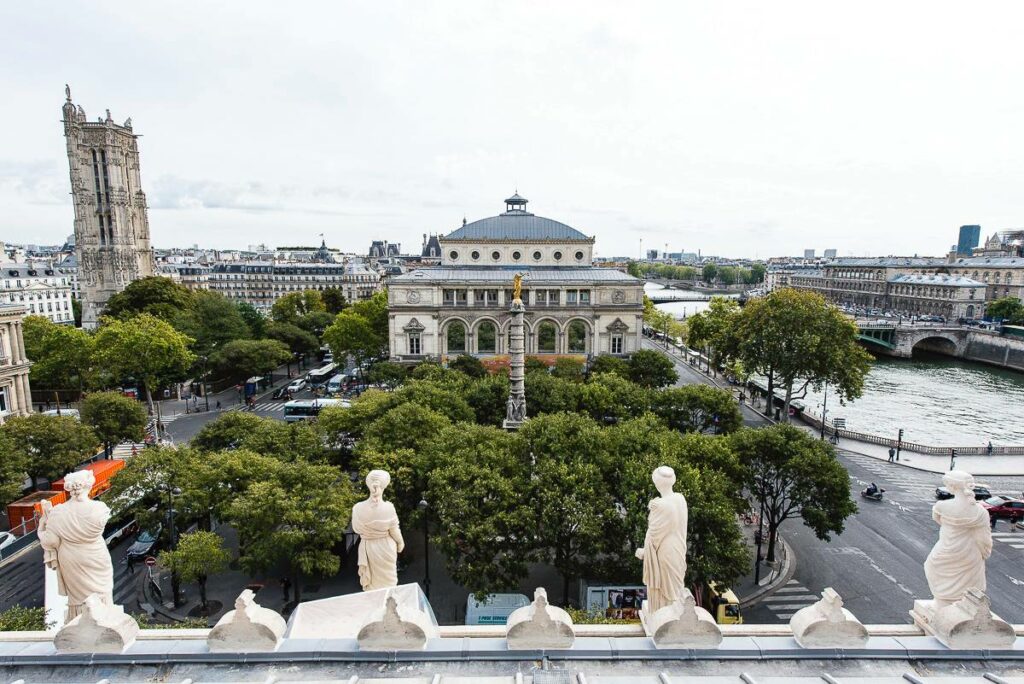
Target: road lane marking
x,y
788,606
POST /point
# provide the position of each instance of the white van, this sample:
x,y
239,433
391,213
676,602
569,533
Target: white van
x,y
335,384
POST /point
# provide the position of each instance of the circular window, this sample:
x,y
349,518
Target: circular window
x,y
558,256
475,255
453,255
579,256
516,255
536,255
495,255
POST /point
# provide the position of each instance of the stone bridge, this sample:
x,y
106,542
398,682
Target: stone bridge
x,y
965,343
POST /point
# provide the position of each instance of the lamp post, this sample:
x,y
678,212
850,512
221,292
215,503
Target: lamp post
x,y
899,443
824,412
760,536
423,506
952,459
172,492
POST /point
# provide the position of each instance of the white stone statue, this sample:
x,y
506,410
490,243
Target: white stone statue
x,y
664,549
380,539
71,535
957,562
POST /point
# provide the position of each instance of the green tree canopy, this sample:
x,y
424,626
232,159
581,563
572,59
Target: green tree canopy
x,y
293,306
240,359
212,321
334,300
793,473
698,408
48,446
468,364
299,341
709,273
61,355
197,556
155,295
650,368
145,348
716,329
606,363
353,333
1008,309
114,417
12,470
387,374
254,320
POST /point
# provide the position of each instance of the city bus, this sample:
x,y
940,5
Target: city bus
x,y
320,376
309,408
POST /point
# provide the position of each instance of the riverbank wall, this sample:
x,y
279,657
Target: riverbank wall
x,y
983,346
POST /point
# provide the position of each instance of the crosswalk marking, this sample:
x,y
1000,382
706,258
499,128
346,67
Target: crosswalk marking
x,y
790,589
784,616
789,599
262,406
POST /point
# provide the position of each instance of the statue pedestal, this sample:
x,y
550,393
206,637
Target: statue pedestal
x,y
99,628
681,625
968,623
826,624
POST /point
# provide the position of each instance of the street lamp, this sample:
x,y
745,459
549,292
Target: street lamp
x,y
423,506
172,492
824,412
952,459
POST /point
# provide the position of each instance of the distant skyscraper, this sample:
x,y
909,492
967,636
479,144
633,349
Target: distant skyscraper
x,y
111,226
969,238
830,254
808,254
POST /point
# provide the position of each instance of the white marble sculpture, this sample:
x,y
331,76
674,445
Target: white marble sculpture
x,y
71,535
682,624
539,626
826,624
396,629
380,539
99,627
959,614
664,549
249,627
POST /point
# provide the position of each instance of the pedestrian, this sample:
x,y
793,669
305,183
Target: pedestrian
x,y
286,588
218,404
892,454
992,519
989,449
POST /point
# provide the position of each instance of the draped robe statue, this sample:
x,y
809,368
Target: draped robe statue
x,y
380,539
957,562
664,549
71,535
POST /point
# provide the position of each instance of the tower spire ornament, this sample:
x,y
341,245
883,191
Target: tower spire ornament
x,y
515,414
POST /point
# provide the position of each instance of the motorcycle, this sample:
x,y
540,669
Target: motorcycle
x,y
877,496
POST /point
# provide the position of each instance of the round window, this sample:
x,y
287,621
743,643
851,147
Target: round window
x,y
536,255
558,256
495,255
579,256
516,255
453,255
475,254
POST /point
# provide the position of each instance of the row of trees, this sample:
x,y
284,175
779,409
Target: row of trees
x,y
792,338
709,273
1007,309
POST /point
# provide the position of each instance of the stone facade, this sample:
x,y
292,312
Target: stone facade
x,y
261,283
15,394
111,224
462,306
42,289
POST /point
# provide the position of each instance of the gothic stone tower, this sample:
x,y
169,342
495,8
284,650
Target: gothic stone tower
x,y
111,227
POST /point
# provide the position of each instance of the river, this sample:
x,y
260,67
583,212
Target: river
x,y
936,400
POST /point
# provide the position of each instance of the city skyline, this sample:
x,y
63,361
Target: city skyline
x,y
824,131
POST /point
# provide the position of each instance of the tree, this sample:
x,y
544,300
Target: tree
x,y
295,519
698,408
144,348
48,446
294,305
316,322
387,374
548,394
1008,309
226,432
155,295
757,273
197,556
650,368
62,356
606,363
334,300
136,491
568,369
299,341
256,322
212,321
792,473
12,470
351,333
403,427
488,396
727,275
468,364
796,336
709,273
20,619
375,311
715,329
114,418
283,441
633,269
240,359
609,398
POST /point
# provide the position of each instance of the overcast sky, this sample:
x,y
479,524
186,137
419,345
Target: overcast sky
x,y
736,128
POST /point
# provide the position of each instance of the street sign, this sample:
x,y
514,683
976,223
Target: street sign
x,y
839,423
150,561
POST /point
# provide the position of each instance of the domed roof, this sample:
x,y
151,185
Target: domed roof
x,y
516,224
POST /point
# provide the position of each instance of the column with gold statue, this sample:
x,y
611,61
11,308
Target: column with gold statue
x,y
515,414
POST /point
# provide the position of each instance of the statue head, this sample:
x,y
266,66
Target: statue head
x,y
377,481
664,478
959,483
79,483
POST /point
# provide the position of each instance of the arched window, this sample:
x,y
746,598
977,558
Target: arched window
x,y
486,338
577,337
456,337
547,336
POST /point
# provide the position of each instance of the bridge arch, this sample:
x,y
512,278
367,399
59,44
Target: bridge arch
x,y
937,343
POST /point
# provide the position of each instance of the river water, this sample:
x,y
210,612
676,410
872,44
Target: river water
x,y
936,400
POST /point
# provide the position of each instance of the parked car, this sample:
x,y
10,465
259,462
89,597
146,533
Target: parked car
x,y
6,539
144,545
297,385
1005,508
980,493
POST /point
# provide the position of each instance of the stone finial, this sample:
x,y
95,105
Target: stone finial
x,y
539,625
826,624
682,624
391,630
98,628
249,627
968,623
